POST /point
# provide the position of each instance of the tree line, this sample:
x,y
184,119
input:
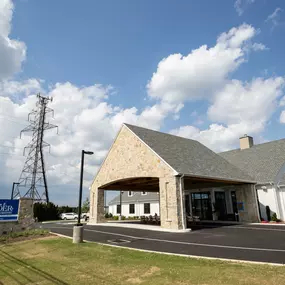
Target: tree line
x,y
50,211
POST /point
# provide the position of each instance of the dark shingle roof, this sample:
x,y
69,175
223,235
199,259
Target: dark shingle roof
x,y
137,196
262,161
189,157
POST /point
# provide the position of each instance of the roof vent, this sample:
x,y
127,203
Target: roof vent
x,y
246,142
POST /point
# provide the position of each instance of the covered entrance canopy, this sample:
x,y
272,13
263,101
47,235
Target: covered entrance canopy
x,y
144,160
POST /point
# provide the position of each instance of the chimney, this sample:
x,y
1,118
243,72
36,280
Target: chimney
x,y
245,142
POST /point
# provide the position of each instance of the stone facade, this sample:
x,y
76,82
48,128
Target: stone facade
x,y
129,157
246,194
25,221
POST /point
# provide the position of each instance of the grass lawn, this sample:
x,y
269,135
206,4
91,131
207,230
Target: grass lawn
x,y
53,260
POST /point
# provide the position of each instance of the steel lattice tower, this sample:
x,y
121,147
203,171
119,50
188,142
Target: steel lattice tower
x,y
33,173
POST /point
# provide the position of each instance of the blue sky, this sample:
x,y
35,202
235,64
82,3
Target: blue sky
x,y
121,44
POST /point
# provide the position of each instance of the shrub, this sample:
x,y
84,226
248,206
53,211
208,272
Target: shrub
x,y
123,217
110,215
115,218
107,216
274,218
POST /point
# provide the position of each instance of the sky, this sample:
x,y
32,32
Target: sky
x,y
206,70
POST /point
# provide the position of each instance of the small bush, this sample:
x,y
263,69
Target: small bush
x,y
123,217
107,216
274,218
116,218
110,215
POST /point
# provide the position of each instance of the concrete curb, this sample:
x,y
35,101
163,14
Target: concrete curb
x,y
180,255
139,227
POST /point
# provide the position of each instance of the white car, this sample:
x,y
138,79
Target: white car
x,y
68,216
85,216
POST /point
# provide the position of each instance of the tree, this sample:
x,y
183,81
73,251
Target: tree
x,y
86,206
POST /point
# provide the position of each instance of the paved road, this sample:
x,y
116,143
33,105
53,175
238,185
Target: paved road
x,y
241,242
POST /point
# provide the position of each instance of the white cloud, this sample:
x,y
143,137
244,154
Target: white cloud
x,y
274,18
197,75
249,102
12,52
239,108
241,5
258,46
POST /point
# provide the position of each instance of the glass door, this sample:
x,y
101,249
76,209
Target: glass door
x,y
220,206
201,205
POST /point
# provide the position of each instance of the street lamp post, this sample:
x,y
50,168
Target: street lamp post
x,y
12,194
78,229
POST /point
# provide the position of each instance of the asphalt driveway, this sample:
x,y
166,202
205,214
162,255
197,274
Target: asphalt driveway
x,y
241,242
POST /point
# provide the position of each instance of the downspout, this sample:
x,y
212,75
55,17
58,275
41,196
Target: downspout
x,y
181,201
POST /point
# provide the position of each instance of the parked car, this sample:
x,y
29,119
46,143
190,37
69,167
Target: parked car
x,y
68,216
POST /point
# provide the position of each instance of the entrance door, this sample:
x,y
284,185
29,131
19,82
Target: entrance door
x,y
220,205
201,205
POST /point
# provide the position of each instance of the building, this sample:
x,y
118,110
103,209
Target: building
x,y
190,178
266,164
135,204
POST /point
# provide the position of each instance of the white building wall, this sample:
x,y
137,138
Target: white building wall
x,y
139,209
266,197
281,197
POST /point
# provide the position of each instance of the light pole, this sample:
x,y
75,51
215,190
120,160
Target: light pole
x,y
12,194
78,229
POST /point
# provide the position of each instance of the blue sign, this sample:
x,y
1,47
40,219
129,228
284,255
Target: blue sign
x,y
9,210
240,206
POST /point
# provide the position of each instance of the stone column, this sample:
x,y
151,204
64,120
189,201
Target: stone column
x,y
245,193
96,205
170,203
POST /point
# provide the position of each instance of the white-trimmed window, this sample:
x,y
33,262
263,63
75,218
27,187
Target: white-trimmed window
x,y
131,208
130,193
146,208
144,193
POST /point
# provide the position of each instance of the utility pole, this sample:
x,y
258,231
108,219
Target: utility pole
x,y
33,174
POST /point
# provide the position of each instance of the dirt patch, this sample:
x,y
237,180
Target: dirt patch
x,y
151,271
21,239
135,280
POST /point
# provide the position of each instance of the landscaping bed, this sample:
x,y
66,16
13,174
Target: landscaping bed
x,y
23,235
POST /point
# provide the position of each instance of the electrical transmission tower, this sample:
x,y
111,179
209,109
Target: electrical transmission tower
x,y
33,174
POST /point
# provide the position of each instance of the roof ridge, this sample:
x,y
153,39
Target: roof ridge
x,y
161,132
254,146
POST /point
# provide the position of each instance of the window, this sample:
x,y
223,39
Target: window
x,y
146,208
118,209
144,193
131,208
130,193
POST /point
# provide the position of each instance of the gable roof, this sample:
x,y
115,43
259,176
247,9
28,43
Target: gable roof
x,y
136,197
262,161
189,157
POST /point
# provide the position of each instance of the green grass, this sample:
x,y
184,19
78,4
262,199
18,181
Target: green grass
x,y
27,233
58,261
